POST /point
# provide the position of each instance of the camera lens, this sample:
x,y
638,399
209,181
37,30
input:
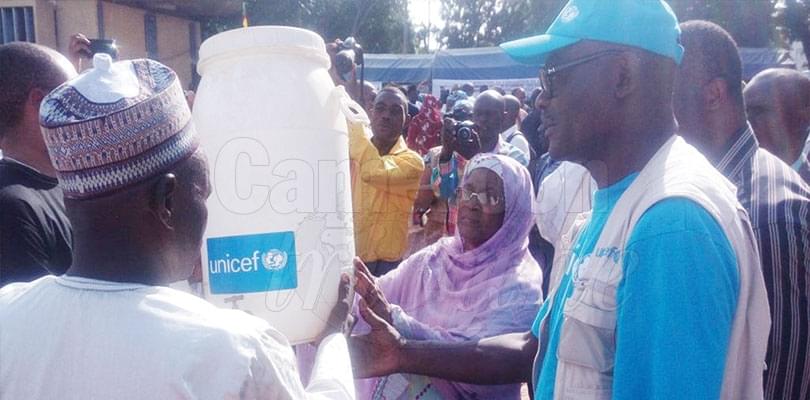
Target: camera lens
x,y
464,133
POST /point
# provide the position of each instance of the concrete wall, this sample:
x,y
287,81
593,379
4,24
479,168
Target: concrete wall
x,y
173,46
73,16
56,20
45,34
17,3
125,25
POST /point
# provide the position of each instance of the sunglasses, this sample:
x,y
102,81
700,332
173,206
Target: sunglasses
x,y
546,72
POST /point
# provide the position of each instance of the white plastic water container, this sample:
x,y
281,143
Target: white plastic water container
x,y
279,219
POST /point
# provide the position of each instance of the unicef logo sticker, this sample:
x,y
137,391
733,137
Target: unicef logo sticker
x,y
274,260
253,263
569,13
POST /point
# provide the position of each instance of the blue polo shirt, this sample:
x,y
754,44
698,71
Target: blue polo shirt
x,y
676,302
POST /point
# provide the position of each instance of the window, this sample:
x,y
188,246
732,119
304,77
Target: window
x,y
17,24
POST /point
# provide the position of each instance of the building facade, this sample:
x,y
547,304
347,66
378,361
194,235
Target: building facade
x,y
164,30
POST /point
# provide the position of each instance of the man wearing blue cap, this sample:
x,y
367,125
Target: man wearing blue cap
x,y
662,295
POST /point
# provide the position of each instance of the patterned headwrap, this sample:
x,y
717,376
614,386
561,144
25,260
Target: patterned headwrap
x,y
115,125
425,128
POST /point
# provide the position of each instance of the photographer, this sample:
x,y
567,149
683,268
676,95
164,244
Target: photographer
x,y
435,206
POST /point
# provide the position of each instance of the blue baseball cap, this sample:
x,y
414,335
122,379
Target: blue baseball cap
x,y
645,24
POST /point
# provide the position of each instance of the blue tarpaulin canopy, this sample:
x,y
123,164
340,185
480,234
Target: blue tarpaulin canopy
x,y
485,63
757,59
403,68
491,63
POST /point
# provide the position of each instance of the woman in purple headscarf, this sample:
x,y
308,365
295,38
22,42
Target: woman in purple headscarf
x,y
479,283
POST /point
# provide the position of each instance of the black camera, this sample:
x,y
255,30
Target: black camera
x,y
106,46
464,131
350,54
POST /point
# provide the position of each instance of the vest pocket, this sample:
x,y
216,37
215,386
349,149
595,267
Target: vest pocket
x,y
586,352
588,337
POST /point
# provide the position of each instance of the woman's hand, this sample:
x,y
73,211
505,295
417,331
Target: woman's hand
x,y
378,353
366,287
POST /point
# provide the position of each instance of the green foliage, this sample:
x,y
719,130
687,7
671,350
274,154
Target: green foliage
x,y
748,21
467,23
378,25
382,26
478,23
422,37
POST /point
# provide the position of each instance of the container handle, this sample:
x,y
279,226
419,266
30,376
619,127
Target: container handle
x,y
351,109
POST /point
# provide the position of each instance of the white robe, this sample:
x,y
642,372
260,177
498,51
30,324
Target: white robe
x,y
75,338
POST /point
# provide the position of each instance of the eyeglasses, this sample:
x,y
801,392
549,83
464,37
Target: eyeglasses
x,y
483,198
547,73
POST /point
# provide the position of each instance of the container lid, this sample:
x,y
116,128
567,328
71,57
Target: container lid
x,y
264,39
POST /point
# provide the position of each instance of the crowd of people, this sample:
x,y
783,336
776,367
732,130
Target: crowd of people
x,y
637,227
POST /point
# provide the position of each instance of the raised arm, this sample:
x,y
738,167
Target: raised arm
x,y
491,361
402,169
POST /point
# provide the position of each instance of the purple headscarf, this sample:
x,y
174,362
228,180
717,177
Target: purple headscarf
x,y
445,293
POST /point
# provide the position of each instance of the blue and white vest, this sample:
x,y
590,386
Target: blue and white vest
x,y
587,345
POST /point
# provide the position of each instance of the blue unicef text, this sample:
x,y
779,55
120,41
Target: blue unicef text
x,y
252,263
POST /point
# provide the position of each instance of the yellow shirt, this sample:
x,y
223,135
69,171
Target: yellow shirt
x,y
383,191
